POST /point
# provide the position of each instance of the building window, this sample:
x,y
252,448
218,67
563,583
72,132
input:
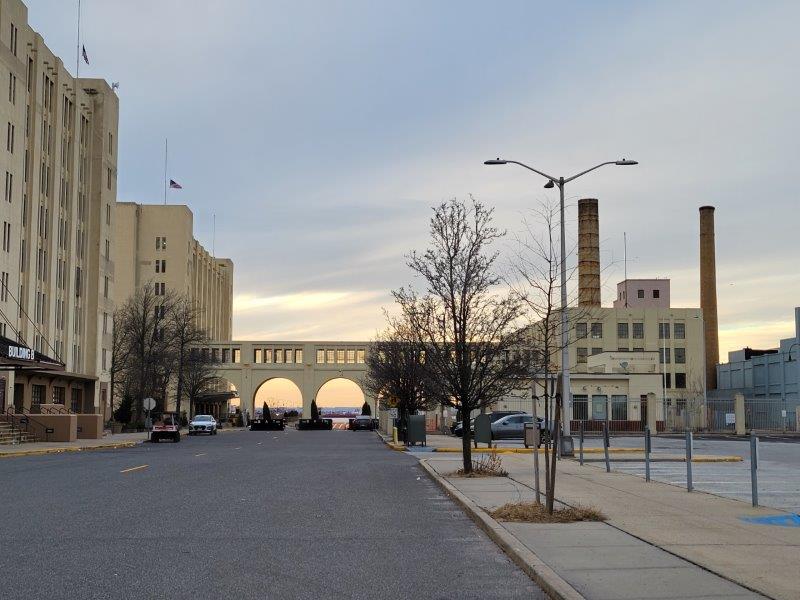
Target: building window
x,y
161,266
580,407
656,293
622,331
680,356
599,407
76,400
105,357
638,331
237,355
226,355
12,88
298,356
663,355
320,357
679,329
667,380
680,381
288,355
268,356
360,356
105,287
105,322
619,408
663,331
582,354
580,330
330,357
278,355
161,243
160,288
351,356
257,356
640,293
37,393
59,394
597,331
340,356
596,351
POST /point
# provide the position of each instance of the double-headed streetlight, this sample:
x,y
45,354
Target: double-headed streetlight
x,y
561,182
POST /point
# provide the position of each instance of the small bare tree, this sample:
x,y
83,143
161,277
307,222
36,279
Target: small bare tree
x,y
199,376
536,276
465,325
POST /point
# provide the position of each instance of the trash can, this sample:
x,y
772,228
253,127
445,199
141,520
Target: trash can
x,y
416,430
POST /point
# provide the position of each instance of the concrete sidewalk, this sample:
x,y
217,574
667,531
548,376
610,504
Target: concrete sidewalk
x,y
108,442
655,537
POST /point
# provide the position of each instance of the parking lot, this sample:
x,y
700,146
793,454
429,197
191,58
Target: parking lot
x,y
778,467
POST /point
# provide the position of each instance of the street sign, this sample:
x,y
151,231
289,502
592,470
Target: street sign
x,y
393,413
148,403
730,418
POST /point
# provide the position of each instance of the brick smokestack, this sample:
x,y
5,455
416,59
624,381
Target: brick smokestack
x,y
588,253
708,293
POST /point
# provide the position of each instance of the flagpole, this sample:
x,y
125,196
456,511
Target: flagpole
x,y
78,49
214,236
166,154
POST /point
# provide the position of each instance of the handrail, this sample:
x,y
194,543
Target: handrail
x,y
25,419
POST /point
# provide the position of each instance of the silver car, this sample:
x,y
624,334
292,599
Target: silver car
x,y
510,427
203,424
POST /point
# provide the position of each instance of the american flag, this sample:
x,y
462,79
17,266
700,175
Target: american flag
x,y
174,185
85,56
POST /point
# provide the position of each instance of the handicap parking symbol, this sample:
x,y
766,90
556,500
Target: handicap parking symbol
x,y
776,520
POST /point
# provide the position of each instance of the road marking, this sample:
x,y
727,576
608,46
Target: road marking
x,y
239,448
201,454
258,444
139,468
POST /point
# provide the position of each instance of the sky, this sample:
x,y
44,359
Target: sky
x,y
320,134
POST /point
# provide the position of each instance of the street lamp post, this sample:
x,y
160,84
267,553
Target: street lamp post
x,y
566,396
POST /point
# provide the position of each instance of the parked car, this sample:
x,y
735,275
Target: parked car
x,y
166,425
363,423
510,427
203,424
458,428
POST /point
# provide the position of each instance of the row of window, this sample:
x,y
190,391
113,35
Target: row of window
x,y
625,329
277,355
343,356
664,354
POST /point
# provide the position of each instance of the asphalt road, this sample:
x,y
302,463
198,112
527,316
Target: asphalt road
x,y
242,515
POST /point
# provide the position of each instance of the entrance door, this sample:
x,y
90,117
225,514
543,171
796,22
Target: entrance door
x,y
19,397
2,394
643,411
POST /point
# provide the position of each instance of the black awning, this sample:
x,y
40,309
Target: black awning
x,y
18,356
216,397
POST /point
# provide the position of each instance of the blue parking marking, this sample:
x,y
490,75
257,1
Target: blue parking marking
x,y
777,520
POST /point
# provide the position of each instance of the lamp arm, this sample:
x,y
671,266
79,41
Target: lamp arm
x,y
610,162
545,175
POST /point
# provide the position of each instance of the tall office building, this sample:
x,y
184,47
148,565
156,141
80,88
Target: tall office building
x,y
59,169
155,245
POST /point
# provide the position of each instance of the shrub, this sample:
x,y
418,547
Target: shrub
x,y
366,410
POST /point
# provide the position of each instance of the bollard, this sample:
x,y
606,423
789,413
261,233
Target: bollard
x,y
647,454
754,468
689,486
605,445
581,443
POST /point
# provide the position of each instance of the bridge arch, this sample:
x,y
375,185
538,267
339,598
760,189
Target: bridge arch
x,y
278,392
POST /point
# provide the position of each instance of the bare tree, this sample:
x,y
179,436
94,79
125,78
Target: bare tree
x,y
536,276
396,372
466,327
199,376
184,334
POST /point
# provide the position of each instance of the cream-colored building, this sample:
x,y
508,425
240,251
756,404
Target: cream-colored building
x,y
155,246
59,169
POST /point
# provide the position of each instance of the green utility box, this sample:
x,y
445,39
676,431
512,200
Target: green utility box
x,y
416,430
483,429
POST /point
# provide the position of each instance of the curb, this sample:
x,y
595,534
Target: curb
x,y
42,451
505,450
541,574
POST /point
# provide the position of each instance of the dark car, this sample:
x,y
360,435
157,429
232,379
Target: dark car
x,y
362,423
458,428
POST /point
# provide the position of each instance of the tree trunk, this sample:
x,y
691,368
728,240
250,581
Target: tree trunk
x,y
466,438
551,491
179,386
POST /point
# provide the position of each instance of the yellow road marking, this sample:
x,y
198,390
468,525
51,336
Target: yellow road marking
x,y
140,467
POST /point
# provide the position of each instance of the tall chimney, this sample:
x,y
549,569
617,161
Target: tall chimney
x,y
588,253
708,294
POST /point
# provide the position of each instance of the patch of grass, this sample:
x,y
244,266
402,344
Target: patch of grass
x,y
534,512
486,465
